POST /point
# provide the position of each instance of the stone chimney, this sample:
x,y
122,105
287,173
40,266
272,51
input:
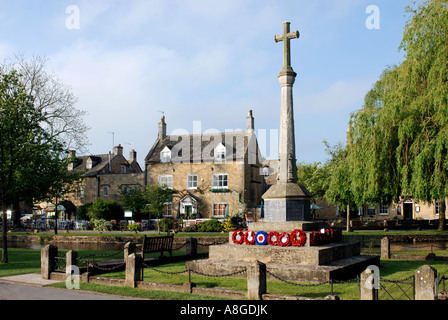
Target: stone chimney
x,y
118,150
132,156
250,122
162,129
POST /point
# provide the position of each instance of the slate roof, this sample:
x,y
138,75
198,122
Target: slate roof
x,y
202,146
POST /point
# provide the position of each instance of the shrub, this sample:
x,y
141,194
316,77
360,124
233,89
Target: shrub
x,y
166,224
134,227
210,226
102,225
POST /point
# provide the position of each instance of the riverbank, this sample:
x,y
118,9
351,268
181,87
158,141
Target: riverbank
x,y
114,237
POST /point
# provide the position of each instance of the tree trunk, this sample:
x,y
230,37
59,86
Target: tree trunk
x,y
348,227
4,234
442,209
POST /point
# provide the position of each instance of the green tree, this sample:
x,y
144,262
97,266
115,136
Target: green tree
x,y
399,140
134,200
30,160
156,197
105,209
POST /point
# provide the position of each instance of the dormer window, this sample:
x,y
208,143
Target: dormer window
x,y
220,152
89,163
165,155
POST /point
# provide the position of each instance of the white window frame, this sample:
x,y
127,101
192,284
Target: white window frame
x,y
220,181
165,155
192,181
436,207
217,212
384,210
168,210
220,152
166,181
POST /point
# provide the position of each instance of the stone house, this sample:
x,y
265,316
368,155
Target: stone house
x,y
212,175
103,176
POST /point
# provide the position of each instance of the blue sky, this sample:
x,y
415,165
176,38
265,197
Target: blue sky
x,y
208,61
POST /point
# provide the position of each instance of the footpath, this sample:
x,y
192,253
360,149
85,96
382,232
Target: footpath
x,y
32,287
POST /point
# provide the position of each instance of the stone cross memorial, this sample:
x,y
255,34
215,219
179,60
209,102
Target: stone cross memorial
x,y
287,200
287,211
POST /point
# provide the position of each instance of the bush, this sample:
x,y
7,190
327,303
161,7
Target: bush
x,y
102,225
166,224
134,227
210,226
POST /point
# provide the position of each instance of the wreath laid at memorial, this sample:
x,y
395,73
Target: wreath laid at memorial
x,y
296,238
249,238
238,237
261,238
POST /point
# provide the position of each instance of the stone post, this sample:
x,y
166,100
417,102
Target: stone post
x,y
47,260
129,248
192,247
133,266
385,248
368,287
425,283
71,258
256,280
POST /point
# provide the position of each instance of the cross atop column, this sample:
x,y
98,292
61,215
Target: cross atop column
x,y
286,38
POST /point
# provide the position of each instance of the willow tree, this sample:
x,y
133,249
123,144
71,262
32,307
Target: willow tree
x,y
399,140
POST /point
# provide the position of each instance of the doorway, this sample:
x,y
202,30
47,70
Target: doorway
x,y
408,210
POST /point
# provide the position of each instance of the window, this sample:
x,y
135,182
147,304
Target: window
x,y
81,191
219,209
122,169
168,209
89,163
165,155
192,181
105,191
220,180
437,207
265,172
384,210
166,181
220,152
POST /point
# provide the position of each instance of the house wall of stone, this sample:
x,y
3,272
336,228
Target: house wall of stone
x,y
239,177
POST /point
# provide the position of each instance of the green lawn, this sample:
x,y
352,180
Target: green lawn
x,y
23,261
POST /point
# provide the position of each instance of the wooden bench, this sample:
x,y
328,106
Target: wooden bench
x,y
157,244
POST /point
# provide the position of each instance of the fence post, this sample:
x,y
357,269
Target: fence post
x,y
192,247
71,259
385,248
133,265
368,287
256,280
47,260
425,283
129,248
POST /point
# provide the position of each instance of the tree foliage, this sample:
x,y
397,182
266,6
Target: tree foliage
x,y
31,162
398,142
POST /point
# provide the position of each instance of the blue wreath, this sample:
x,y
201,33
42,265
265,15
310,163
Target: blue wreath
x,y
263,238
